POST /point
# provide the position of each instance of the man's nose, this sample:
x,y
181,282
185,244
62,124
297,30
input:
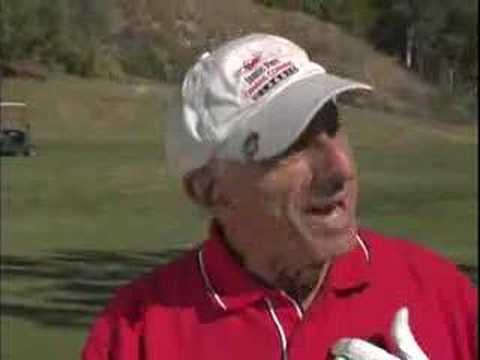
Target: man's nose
x,y
332,164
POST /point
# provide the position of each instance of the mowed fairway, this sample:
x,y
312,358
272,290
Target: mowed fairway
x,y
96,206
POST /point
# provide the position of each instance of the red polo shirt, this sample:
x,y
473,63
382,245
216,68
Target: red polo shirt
x,y
205,307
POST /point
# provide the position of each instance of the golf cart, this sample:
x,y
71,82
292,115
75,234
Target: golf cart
x,y
15,132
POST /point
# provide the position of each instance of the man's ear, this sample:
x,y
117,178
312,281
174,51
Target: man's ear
x,y
203,189
191,187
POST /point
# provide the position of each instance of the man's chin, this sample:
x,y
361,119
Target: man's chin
x,y
328,243
325,237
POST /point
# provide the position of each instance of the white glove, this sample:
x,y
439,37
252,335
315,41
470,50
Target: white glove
x,y
357,349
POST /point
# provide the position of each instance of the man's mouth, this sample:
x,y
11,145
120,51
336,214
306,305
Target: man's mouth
x,y
326,208
332,213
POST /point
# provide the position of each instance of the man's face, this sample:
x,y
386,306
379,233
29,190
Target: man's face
x,y
301,203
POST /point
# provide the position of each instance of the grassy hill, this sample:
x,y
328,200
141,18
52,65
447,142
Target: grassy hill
x,y
176,32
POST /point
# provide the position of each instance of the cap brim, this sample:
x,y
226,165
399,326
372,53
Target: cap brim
x,y
183,152
284,117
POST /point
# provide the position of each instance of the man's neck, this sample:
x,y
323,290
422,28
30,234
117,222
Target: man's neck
x,y
302,284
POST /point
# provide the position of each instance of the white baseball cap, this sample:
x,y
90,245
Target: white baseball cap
x,y
248,99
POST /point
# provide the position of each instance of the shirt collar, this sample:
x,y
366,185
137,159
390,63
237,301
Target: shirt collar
x,y
225,279
352,269
230,286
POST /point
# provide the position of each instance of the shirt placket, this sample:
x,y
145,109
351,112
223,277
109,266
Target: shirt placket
x,y
286,315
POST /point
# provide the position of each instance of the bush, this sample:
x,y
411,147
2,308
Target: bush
x,y
59,32
148,61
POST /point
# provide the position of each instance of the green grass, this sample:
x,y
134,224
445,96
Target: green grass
x,y
96,207
418,181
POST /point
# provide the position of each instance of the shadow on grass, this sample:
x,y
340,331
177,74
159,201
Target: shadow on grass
x,y
68,288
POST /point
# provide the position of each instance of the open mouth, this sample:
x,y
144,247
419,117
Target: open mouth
x,y
327,208
325,214
329,214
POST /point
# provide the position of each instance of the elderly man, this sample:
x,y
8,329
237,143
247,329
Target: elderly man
x,y
286,272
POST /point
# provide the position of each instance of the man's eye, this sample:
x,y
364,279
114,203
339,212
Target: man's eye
x,y
332,125
328,119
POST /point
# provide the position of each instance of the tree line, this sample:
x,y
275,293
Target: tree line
x,y
437,39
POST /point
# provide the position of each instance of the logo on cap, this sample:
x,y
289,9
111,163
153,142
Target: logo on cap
x,y
264,75
249,64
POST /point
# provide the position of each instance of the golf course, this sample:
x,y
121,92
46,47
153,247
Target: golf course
x,y
96,206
